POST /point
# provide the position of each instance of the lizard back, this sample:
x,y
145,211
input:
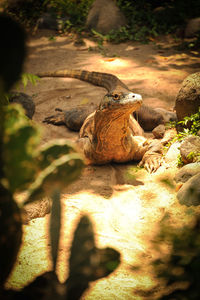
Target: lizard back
x,y
109,81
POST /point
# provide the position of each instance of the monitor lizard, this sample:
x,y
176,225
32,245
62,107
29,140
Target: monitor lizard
x,y
111,133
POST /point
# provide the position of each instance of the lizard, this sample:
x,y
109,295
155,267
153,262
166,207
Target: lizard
x,y
148,117
111,133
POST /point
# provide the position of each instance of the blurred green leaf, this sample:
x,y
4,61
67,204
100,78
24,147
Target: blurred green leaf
x,y
57,175
21,138
28,77
55,224
53,150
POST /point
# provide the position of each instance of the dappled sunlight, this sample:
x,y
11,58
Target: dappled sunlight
x,y
122,222
114,63
126,221
125,214
34,254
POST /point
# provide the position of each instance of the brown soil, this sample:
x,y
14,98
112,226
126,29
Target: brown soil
x,y
124,204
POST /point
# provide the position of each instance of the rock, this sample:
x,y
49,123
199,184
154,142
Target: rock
x,y
168,116
189,193
188,98
26,101
36,209
169,135
186,172
159,131
192,28
173,153
105,16
190,149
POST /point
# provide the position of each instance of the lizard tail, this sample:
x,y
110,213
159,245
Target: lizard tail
x,y
109,81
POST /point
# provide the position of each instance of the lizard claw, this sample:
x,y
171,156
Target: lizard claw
x,y
57,119
152,162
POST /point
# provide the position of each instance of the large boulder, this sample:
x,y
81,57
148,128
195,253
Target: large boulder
x,y
188,98
187,171
159,131
25,100
189,193
105,16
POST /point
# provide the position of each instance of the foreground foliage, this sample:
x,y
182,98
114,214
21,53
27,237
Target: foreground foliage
x,y
180,267
39,171
45,171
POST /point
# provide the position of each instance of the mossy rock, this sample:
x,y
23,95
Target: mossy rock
x,y
188,98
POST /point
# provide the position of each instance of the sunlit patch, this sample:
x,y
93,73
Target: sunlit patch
x,y
114,63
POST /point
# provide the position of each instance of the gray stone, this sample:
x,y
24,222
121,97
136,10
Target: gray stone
x,y
188,98
190,145
189,193
105,16
159,131
36,209
186,172
25,100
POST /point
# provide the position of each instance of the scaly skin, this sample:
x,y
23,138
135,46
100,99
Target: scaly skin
x,y
108,81
111,133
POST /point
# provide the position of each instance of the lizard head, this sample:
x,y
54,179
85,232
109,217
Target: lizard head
x,y
120,100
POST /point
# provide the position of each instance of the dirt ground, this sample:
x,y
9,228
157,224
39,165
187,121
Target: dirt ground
x,y
125,204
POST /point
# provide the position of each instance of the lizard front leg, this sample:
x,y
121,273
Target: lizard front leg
x,y
152,158
57,119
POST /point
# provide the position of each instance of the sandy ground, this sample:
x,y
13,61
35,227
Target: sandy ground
x,y
125,204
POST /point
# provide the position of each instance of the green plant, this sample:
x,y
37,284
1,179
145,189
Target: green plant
x,y
25,79
189,125
28,168
41,170
194,156
157,17
76,11
180,267
180,162
175,261
52,38
25,12
33,165
45,171
28,77
121,35
192,124
100,38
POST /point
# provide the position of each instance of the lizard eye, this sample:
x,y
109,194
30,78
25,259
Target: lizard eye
x,y
116,96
